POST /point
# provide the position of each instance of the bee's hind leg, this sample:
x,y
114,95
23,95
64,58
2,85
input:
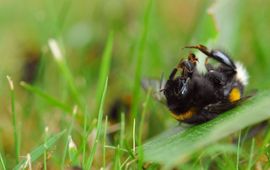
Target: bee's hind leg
x,y
217,55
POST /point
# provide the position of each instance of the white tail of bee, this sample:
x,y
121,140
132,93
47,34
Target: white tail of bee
x,y
242,74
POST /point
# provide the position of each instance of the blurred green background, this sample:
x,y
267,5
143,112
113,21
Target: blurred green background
x,y
82,28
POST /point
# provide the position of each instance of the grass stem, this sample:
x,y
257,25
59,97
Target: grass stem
x,y
14,120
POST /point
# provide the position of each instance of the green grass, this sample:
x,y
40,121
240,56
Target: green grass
x,y
14,120
2,162
54,102
38,151
238,151
68,140
178,145
93,53
45,150
99,128
139,60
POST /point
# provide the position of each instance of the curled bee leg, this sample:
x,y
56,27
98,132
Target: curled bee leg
x,y
217,55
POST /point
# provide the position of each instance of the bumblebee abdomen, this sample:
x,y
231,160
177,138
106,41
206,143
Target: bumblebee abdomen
x,y
234,95
185,115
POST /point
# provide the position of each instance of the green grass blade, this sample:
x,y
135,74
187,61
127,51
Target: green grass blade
x,y
68,138
99,127
85,136
73,153
141,129
45,150
122,130
39,151
104,143
116,160
139,60
251,154
174,145
105,66
46,97
2,162
228,23
103,73
206,29
65,71
238,151
14,120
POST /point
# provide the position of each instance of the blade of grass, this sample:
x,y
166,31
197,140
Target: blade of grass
x,y
74,112
140,151
176,146
65,71
139,60
228,23
14,120
99,127
45,150
122,134
85,136
103,73
122,130
63,14
37,152
251,154
115,148
46,97
2,162
73,152
104,143
104,68
116,160
238,151
134,137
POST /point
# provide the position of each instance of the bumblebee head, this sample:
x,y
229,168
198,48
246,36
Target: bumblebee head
x,y
176,88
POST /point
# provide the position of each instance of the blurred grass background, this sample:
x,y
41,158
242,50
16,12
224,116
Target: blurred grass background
x,y
155,33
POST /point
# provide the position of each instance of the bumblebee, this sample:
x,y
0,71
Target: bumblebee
x,y
194,97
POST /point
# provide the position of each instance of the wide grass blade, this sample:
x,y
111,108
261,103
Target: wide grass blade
x,y
176,145
228,23
36,153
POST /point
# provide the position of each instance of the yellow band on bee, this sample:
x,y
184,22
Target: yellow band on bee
x,y
235,94
183,116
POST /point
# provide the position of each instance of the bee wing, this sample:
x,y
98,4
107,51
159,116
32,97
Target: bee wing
x,y
220,107
156,86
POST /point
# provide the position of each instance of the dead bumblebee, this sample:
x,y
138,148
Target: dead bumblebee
x,y
194,97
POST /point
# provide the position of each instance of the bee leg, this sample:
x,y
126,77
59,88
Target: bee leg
x,y
217,55
216,77
172,75
187,68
